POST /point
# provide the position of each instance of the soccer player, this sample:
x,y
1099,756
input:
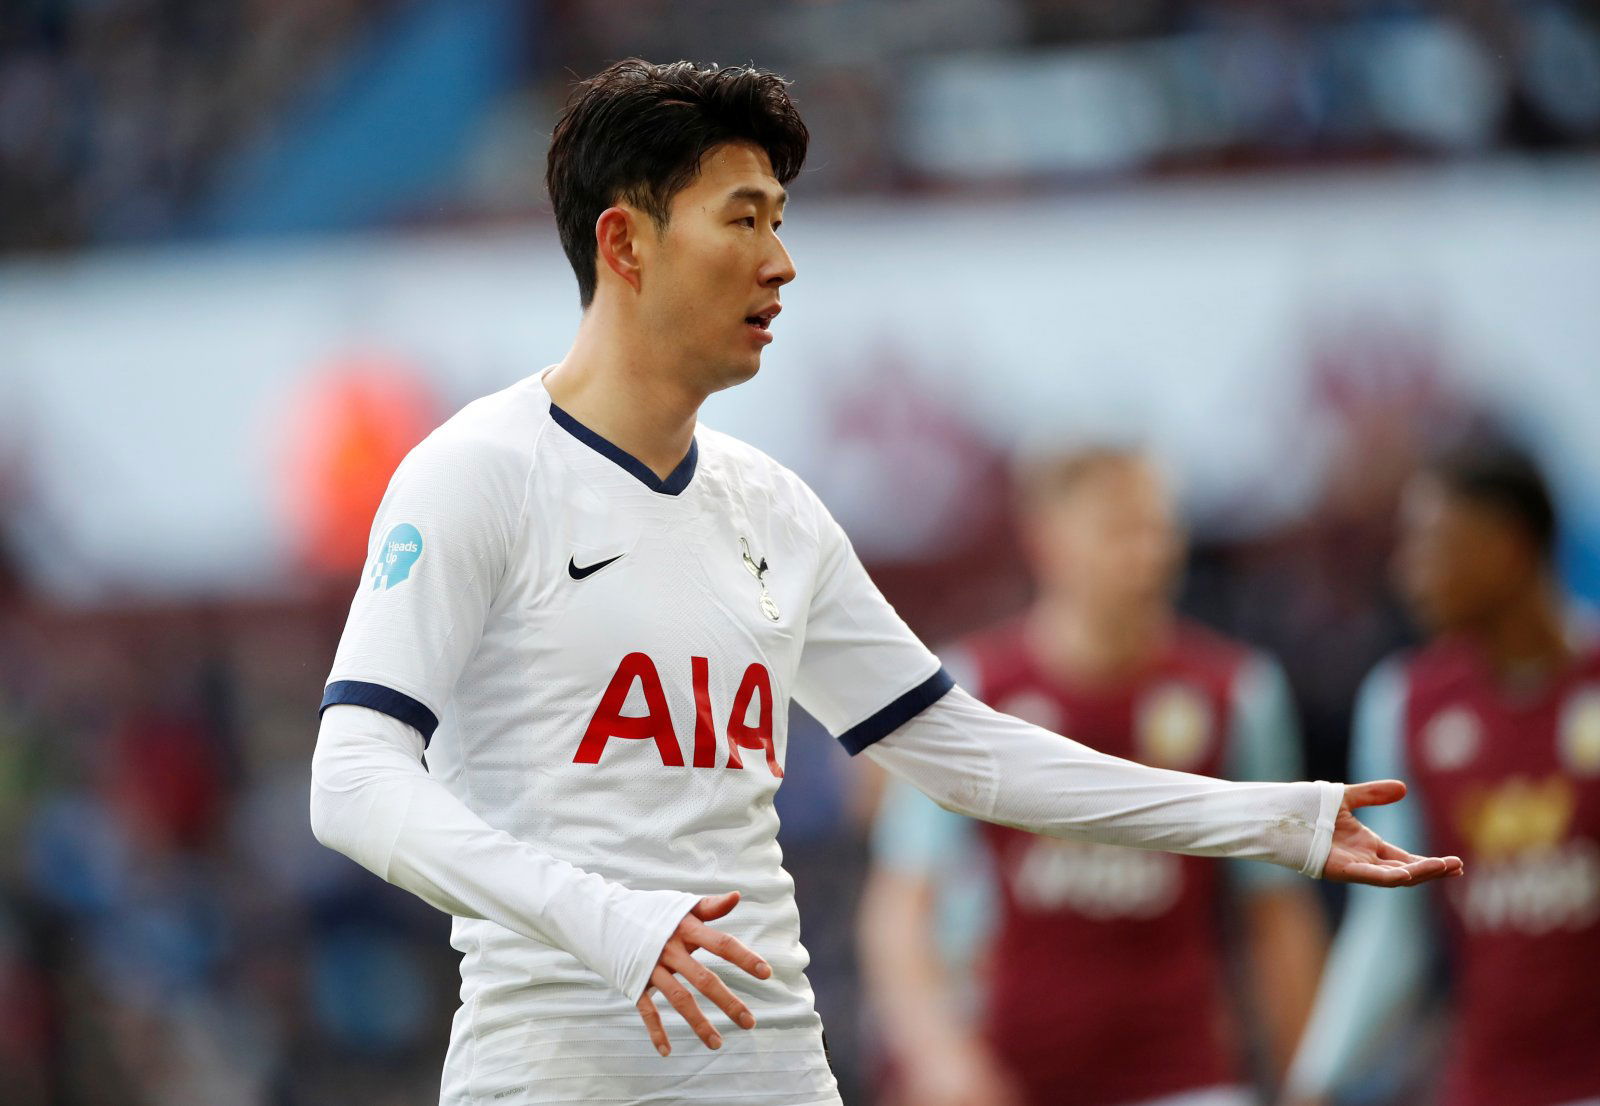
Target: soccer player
x,y
1104,973
598,611
1497,721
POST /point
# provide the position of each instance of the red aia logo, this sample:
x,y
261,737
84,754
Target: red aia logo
x,y
609,721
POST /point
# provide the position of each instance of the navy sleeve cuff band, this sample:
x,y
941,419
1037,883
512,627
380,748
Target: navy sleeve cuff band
x,y
897,713
384,700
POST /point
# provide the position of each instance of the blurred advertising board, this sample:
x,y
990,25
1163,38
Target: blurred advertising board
x,y
205,420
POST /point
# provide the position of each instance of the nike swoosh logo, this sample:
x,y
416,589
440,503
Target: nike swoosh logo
x,y
589,570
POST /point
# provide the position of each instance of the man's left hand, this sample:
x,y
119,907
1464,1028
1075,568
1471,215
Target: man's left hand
x,y
1361,856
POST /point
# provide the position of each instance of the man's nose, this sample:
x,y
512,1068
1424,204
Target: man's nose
x,y
779,268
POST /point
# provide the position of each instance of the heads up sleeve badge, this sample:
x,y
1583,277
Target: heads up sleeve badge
x,y
397,553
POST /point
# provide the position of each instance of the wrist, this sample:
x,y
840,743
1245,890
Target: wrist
x,y
1330,798
659,915
619,932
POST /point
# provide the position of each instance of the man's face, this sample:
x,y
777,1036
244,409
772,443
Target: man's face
x,y
1109,539
710,280
1458,561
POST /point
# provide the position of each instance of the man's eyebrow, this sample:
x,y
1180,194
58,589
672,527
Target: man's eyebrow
x,y
759,195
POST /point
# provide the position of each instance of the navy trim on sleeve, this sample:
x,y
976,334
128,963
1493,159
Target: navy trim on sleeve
x,y
897,713
384,700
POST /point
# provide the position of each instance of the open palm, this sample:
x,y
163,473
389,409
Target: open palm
x,y
1361,856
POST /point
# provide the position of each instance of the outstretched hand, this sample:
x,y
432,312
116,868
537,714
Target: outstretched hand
x,y
677,960
1361,856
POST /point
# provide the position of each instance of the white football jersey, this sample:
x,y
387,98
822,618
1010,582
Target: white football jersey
x,y
603,661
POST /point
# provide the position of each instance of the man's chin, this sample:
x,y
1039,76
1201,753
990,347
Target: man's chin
x,y
737,372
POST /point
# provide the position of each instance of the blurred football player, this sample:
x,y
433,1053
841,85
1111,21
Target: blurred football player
x,y
1105,975
1497,724
598,612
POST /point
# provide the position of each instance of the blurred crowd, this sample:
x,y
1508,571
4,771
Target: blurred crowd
x,y
169,931
119,119
115,114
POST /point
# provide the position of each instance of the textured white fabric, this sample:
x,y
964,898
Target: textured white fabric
x,y
977,761
1263,744
493,618
915,837
372,800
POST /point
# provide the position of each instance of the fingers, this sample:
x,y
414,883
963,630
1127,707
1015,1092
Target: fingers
x,y
730,948
1434,867
715,906
677,960
1375,875
1397,873
1375,793
652,1022
1386,851
704,980
1422,867
683,1002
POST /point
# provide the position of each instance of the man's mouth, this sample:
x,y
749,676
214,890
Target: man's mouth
x,y
762,319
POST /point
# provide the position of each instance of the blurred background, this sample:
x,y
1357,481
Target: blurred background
x,y
254,251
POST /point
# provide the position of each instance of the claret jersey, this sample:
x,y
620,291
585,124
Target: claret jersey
x,y
1505,773
1103,979
1141,1009
1509,780
602,662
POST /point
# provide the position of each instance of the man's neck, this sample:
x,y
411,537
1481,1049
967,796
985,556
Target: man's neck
x,y
627,392
1527,638
1082,644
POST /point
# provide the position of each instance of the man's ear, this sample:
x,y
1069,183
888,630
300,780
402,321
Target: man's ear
x,y
616,235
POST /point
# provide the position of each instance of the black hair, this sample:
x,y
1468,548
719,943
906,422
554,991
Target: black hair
x,y
637,131
1504,478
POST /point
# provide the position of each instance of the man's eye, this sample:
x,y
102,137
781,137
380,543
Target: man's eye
x,y
776,224
748,221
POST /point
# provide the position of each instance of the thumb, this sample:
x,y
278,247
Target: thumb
x,y
1376,793
715,906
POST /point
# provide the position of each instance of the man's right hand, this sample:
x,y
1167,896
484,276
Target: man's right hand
x,y
677,960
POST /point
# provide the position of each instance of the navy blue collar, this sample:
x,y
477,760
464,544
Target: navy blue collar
x,y
677,480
